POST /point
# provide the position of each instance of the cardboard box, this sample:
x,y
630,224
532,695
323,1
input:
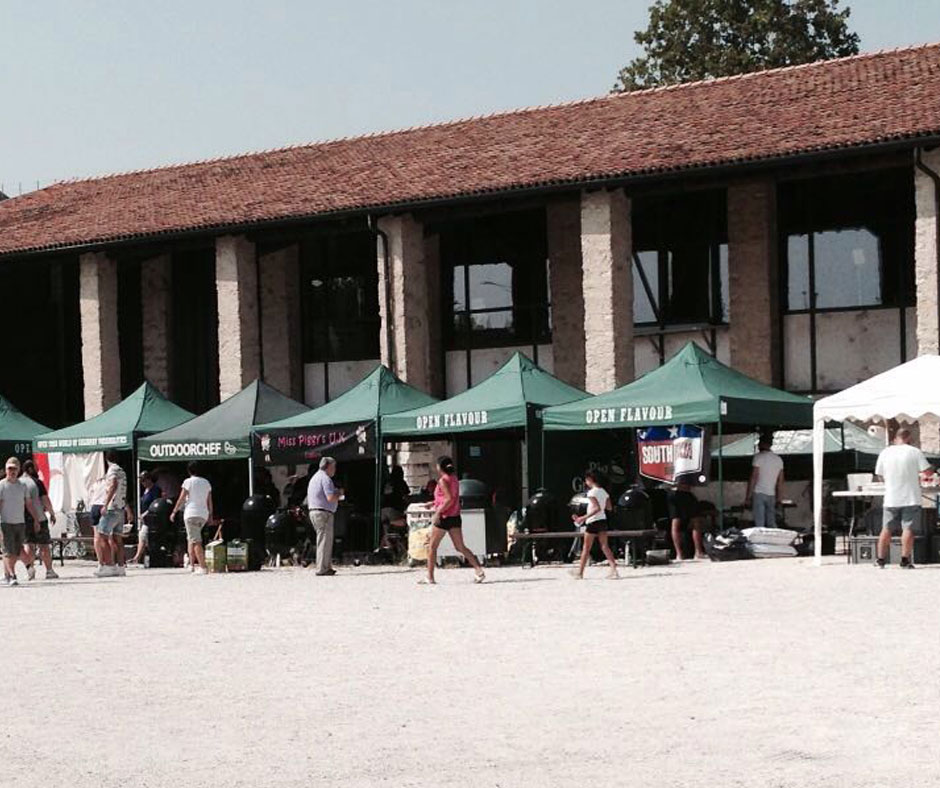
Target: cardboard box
x,y
216,556
237,556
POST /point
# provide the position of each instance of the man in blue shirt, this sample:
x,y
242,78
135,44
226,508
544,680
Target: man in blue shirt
x,y
322,499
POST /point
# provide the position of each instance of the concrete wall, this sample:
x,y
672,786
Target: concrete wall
x,y
280,321
101,362
753,273
237,287
156,315
565,284
607,284
926,261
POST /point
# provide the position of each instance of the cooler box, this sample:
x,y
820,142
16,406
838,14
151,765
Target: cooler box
x,y
473,527
216,556
864,550
237,556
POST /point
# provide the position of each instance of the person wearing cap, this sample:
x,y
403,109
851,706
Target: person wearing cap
x,y
150,492
38,540
14,503
322,501
765,487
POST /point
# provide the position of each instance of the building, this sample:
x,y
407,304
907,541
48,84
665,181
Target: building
x,y
786,219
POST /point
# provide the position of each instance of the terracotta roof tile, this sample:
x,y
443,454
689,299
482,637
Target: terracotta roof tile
x,y
850,102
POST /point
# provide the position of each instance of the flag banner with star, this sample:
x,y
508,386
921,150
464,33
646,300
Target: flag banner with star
x,y
674,454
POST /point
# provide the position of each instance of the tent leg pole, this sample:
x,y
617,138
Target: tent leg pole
x,y
721,480
251,478
137,486
377,494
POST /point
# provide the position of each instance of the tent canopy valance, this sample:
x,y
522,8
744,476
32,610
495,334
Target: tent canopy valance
x,y
17,431
692,387
908,393
223,433
344,427
144,412
501,402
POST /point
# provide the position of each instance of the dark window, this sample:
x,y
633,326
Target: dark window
x,y
496,281
130,326
848,241
340,291
194,316
680,260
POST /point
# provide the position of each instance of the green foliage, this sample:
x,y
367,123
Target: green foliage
x,y
689,40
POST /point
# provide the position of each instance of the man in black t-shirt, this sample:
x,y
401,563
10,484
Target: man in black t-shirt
x,y
685,514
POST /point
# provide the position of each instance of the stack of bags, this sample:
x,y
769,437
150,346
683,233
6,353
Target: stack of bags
x,y
770,542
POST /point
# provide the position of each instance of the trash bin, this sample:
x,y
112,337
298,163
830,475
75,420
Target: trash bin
x,y
255,512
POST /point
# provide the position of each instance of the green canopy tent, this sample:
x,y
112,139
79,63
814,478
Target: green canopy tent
x,y
17,431
692,387
346,428
509,402
144,412
224,432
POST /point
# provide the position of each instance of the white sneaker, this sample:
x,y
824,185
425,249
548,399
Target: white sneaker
x,y
576,574
200,570
12,581
613,574
120,571
427,581
479,577
104,571
51,574
31,571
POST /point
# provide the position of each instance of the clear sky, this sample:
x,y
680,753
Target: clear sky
x,y
96,86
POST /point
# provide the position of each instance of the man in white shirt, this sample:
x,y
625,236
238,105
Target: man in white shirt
x,y
765,487
900,466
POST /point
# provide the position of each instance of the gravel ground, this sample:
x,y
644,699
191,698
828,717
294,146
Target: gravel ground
x,y
759,673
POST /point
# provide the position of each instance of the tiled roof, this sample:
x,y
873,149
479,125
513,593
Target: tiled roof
x,y
861,100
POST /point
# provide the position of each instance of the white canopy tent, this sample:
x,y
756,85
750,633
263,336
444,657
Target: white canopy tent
x,y
908,393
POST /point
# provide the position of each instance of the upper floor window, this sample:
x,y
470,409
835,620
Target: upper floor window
x,y
680,259
495,279
848,241
340,297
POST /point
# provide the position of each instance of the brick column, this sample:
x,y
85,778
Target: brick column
x,y
237,286
563,221
280,320
926,261
607,285
101,360
753,270
156,278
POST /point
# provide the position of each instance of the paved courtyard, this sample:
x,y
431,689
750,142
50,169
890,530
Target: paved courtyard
x,y
761,673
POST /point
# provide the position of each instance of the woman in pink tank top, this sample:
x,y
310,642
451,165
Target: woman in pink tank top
x,y
446,520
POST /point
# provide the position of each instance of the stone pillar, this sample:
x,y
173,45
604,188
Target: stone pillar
x,y
563,221
753,271
156,279
280,320
926,260
101,358
607,272
407,322
927,275
237,286
405,338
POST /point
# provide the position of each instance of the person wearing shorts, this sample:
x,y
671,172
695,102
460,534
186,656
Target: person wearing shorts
x,y
38,539
595,525
196,501
445,521
684,514
900,466
14,503
150,492
112,519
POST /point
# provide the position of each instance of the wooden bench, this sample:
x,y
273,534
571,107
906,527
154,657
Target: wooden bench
x,y
637,540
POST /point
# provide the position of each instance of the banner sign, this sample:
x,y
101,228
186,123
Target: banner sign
x,y
628,415
196,450
343,442
87,444
675,454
